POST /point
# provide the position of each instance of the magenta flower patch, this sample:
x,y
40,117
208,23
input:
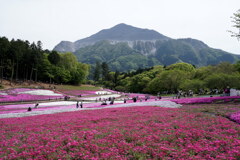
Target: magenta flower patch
x,y
235,117
120,133
204,99
26,94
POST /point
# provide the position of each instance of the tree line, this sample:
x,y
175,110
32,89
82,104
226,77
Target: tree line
x,y
170,79
21,61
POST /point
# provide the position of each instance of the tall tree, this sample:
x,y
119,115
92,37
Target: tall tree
x,y
97,71
4,47
54,57
105,71
236,21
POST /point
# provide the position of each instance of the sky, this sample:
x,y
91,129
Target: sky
x,y
52,21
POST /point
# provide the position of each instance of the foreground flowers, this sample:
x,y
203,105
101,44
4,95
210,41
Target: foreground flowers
x,y
120,133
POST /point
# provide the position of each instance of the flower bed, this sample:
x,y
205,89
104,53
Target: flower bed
x,y
120,133
78,92
204,99
26,94
235,117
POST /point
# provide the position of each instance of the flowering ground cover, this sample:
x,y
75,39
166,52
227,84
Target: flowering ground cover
x,y
78,92
231,111
235,117
204,99
121,133
27,94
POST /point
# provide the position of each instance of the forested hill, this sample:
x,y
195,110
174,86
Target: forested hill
x,y
125,48
122,57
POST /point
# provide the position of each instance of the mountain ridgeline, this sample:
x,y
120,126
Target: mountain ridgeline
x,y
125,48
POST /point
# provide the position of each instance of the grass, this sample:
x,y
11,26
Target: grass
x,y
81,87
223,109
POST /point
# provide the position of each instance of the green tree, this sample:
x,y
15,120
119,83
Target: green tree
x,y
222,80
237,66
236,21
181,66
195,85
4,47
168,80
54,57
68,61
97,71
46,70
138,83
105,71
79,74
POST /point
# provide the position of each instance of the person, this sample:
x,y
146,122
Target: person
x,y
77,105
81,105
36,105
112,100
29,109
125,101
104,103
146,98
228,91
134,99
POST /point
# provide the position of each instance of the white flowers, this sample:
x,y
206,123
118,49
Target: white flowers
x,y
40,92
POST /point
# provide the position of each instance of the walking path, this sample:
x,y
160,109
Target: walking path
x,y
167,104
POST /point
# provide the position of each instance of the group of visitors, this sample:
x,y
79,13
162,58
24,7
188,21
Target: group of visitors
x,y
181,93
136,98
110,99
81,104
30,108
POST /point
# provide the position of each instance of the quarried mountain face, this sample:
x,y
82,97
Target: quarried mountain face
x,y
125,48
65,46
116,34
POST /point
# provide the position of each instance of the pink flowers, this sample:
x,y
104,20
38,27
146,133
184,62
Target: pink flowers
x,y
120,133
204,99
235,117
78,92
26,94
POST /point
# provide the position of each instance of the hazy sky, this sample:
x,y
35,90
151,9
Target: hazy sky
x,y
54,20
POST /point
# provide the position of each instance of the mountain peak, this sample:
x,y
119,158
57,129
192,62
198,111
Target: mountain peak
x,y
121,25
118,33
124,32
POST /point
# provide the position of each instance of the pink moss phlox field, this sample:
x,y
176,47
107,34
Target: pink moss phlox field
x,y
79,92
12,95
139,95
235,117
120,133
203,99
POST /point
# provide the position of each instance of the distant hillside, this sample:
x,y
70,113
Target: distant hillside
x,y
119,33
125,47
122,57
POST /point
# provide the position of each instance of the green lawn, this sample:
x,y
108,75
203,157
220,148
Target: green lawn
x,y
82,87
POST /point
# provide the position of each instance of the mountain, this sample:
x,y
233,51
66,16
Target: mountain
x,y
119,33
125,48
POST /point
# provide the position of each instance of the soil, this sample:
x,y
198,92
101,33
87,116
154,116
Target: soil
x,y
29,84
